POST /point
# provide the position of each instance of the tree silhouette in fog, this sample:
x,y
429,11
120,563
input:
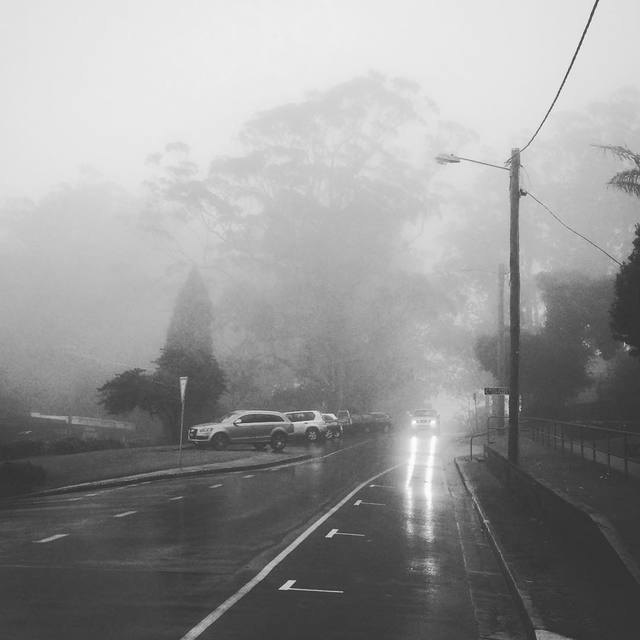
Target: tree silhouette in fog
x,y
188,351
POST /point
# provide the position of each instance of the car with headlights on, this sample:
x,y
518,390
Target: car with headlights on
x,y
256,427
425,421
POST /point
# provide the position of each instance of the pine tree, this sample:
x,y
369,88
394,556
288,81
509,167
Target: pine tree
x,y
188,351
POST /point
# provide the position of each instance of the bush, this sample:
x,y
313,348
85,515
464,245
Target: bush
x,y
19,477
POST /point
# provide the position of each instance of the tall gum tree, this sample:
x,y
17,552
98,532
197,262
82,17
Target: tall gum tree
x,y
308,227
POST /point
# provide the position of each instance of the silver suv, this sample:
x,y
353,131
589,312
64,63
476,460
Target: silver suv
x,y
309,424
259,428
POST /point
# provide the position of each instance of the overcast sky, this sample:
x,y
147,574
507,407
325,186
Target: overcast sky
x,y
107,82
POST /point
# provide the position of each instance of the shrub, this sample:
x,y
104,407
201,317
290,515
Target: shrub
x,y
19,477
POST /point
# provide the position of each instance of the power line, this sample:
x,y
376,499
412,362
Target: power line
x,y
566,226
566,75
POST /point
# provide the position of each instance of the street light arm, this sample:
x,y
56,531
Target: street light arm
x,y
450,158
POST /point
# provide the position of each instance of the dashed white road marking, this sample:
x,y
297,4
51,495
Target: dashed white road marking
x,y
336,532
72,499
176,498
288,586
249,476
124,514
383,486
51,538
357,503
215,486
207,621
90,495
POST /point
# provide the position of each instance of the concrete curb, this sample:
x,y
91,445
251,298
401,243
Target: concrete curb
x,y
164,474
532,621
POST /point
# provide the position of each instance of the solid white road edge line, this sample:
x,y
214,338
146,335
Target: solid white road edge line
x,y
124,514
206,622
51,538
288,586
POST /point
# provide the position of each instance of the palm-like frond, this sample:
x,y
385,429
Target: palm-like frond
x,y
628,180
621,152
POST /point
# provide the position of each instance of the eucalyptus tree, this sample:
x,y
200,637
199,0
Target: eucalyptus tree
x,y
306,226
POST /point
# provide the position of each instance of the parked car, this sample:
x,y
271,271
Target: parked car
x,y
308,424
334,428
344,418
422,420
381,421
256,427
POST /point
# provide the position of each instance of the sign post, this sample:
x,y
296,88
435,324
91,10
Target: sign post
x,y
183,387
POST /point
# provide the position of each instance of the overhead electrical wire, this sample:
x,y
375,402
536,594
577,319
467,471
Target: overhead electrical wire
x,y
566,75
566,226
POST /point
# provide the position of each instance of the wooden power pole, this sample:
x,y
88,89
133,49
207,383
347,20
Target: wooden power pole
x,y
514,306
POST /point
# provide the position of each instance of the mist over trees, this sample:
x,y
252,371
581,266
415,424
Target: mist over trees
x,y
344,267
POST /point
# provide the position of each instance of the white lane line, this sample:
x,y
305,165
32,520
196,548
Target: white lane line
x,y
336,532
72,499
176,498
215,486
249,476
288,586
357,503
206,622
383,486
51,538
90,495
124,514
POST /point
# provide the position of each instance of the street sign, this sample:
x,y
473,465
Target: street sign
x,y
496,391
183,387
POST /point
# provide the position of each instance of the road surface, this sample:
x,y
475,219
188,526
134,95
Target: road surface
x,y
372,538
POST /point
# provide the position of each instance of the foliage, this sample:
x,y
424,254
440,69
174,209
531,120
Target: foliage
x,y
625,310
188,351
629,179
307,224
619,391
554,363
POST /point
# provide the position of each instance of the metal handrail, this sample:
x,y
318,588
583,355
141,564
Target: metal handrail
x,y
479,435
556,432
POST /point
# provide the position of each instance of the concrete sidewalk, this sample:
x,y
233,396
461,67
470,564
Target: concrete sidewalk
x,y
568,535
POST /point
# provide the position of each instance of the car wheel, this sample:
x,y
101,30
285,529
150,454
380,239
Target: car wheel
x,y
259,447
313,435
278,441
220,441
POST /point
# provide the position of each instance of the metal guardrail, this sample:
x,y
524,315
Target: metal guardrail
x,y
603,442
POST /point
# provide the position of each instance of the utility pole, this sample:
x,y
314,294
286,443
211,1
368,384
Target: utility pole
x,y
499,400
514,306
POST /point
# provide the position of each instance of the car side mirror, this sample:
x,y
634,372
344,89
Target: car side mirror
x,y
237,421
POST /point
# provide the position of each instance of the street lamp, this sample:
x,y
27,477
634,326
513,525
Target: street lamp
x,y
514,287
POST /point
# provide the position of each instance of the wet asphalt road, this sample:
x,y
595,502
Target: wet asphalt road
x,y
371,539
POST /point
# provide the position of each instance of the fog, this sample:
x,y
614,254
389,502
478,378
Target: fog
x,y
286,150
